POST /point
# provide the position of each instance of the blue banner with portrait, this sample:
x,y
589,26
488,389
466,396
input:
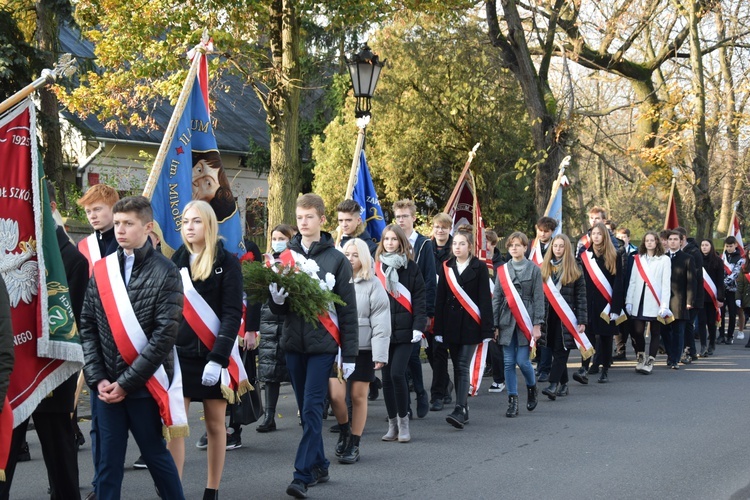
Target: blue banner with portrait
x,y
193,170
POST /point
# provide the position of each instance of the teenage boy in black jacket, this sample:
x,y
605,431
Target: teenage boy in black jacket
x,y
310,348
154,290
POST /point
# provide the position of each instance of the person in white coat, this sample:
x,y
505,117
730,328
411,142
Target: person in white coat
x,y
374,312
647,300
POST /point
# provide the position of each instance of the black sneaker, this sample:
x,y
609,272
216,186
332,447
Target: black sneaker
x,y
320,475
202,443
297,489
24,455
140,464
234,440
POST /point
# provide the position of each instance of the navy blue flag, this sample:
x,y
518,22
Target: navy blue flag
x,y
193,170
364,194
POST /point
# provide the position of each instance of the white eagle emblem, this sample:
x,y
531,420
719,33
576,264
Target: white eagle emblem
x,y
21,275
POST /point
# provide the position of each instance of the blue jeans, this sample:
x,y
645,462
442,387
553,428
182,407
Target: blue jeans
x,y
138,413
309,376
674,340
513,355
96,453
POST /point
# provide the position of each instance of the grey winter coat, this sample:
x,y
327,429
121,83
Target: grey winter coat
x,y
529,285
374,312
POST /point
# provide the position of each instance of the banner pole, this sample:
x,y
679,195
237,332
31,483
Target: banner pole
x,y
187,88
362,125
65,67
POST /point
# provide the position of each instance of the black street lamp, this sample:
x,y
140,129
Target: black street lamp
x,y
364,70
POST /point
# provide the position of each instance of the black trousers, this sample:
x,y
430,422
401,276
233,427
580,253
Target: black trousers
x,y
59,450
437,355
730,307
559,370
498,362
461,357
395,388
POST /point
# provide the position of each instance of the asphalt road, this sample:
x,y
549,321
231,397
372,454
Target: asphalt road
x,y
674,434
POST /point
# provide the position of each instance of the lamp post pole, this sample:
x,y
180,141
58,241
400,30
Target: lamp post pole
x,y
364,70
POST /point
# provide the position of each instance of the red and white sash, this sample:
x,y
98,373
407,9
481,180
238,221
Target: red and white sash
x,y
586,239
653,286
89,247
601,284
130,340
476,367
205,323
727,265
463,298
402,294
710,287
517,307
535,255
329,319
567,317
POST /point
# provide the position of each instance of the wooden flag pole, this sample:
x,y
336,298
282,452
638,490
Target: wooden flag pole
x,y
472,154
556,186
65,67
362,125
187,88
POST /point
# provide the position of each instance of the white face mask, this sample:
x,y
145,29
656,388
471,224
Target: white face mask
x,y
278,246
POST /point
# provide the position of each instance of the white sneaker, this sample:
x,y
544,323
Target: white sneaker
x,y
497,387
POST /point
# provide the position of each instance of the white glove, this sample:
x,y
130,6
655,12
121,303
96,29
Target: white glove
x,y
439,338
347,369
613,316
278,295
416,336
738,302
664,312
211,373
629,309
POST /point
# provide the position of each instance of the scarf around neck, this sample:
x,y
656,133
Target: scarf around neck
x,y
394,262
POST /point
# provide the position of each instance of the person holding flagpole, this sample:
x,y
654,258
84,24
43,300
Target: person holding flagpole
x,y
212,280
463,316
401,278
565,312
129,323
518,306
647,300
713,299
604,297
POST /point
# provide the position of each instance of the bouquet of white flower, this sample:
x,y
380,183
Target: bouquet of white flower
x,y
309,296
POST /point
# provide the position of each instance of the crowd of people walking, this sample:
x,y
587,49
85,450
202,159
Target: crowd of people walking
x,y
158,334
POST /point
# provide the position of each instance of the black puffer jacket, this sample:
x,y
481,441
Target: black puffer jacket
x,y
271,358
155,290
403,322
575,295
306,338
222,291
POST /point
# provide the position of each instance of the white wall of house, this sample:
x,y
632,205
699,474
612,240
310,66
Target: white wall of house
x,y
125,166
